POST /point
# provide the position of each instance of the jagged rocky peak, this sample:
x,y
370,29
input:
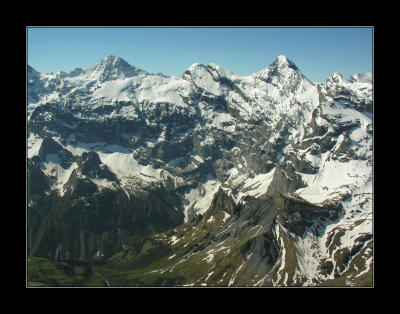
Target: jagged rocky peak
x,y
259,158
336,76
110,61
332,83
222,201
281,67
112,67
355,92
284,75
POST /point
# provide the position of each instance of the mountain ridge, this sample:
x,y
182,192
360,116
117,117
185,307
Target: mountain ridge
x,y
280,60
157,150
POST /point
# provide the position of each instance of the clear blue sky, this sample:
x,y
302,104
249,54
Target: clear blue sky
x,y
318,52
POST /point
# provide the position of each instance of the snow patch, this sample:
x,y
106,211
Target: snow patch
x,y
226,217
199,200
34,143
174,240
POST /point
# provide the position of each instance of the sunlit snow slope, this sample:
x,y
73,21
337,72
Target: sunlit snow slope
x,y
114,129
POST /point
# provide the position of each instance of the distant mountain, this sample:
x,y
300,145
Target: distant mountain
x,y
361,77
113,68
221,179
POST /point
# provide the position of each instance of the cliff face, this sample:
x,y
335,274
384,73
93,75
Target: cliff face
x,y
116,153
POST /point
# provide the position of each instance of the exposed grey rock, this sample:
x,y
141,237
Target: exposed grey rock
x,y
216,126
51,147
285,180
296,214
37,182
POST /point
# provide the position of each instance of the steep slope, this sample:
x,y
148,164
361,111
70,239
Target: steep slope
x,y
116,153
191,123
254,243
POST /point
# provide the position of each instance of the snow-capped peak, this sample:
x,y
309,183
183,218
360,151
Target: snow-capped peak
x,y
112,67
336,75
110,61
282,62
337,79
281,66
195,67
284,75
294,158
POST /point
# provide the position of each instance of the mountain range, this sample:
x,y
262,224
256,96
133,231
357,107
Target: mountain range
x,y
204,179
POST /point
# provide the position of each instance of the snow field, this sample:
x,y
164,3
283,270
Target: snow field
x,y
200,202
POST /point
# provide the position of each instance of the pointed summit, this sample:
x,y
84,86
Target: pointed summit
x,y
336,74
113,60
281,66
112,68
282,59
283,62
285,75
336,78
